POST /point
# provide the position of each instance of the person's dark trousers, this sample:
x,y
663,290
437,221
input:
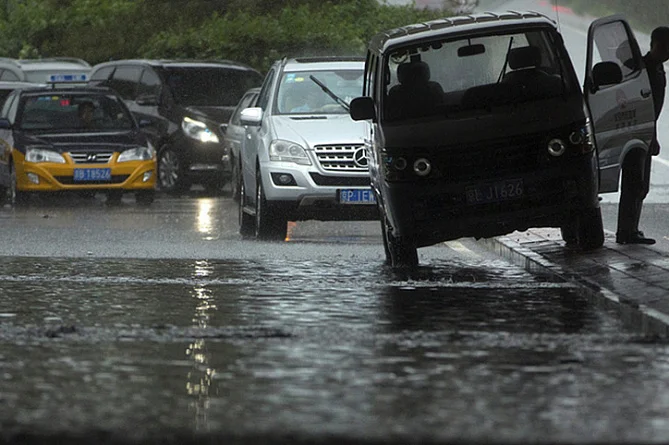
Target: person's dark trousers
x,y
634,188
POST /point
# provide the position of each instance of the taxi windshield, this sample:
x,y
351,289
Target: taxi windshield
x,y
300,92
67,112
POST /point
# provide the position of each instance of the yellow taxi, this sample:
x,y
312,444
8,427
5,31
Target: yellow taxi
x,y
73,139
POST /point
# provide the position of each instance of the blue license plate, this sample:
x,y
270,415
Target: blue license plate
x,y
495,192
357,196
92,174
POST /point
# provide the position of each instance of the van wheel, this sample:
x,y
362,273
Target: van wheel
x,y
145,198
247,223
569,232
16,196
591,229
271,224
400,252
170,172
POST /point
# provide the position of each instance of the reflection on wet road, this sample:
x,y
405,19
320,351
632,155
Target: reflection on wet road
x,y
466,347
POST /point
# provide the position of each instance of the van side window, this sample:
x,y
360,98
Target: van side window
x,y
612,44
125,81
263,98
370,76
149,83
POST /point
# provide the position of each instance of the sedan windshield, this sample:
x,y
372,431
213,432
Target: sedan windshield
x,y
66,112
300,92
442,77
214,87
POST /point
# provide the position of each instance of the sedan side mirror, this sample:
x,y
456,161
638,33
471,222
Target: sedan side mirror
x,y
5,124
606,73
147,100
362,108
251,116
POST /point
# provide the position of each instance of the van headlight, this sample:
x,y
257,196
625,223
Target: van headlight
x,y
137,154
286,151
198,130
41,155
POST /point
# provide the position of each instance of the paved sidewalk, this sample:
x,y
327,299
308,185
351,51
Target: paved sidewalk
x,y
631,279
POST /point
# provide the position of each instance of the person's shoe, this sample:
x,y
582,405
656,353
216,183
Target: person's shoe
x,y
634,238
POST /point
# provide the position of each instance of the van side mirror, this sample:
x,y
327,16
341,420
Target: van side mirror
x,y
606,73
362,108
147,100
251,116
5,124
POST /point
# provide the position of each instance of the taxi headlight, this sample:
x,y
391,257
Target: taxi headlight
x,y
197,130
286,151
136,154
41,155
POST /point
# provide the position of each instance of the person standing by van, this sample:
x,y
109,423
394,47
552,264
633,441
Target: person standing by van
x,y
636,168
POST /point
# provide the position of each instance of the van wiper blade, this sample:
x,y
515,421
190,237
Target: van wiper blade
x,y
329,92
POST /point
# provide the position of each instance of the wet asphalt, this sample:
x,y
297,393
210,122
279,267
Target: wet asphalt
x,y
161,325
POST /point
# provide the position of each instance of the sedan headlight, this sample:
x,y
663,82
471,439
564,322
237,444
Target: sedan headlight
x,y
198,130
286,151
41,155
136,154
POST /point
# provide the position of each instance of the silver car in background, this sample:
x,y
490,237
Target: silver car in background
x,y
303,156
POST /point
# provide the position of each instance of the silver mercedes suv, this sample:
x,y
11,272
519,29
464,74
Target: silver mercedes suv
x,y
303,156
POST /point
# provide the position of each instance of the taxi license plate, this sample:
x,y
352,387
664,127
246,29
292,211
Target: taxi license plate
x,y
357,196
495,192
92,174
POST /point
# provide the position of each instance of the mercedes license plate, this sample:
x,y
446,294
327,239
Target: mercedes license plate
x,y
495,192
92,174
357,196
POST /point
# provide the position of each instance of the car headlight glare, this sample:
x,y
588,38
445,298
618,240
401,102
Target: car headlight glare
x,y
286,151
137,154
197,130
41,155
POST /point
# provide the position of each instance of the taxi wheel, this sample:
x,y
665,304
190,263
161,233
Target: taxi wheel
x,y
170,172
247,226
591,229
16,196
114,197
403,252
145,198
270,223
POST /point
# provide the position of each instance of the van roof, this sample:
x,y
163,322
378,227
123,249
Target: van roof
x,y
465,24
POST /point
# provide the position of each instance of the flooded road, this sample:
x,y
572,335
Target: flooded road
x,y
312,339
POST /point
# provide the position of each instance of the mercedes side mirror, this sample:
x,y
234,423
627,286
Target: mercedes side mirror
x,y
251,116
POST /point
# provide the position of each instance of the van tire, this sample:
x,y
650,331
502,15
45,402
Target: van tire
x,y
569,232
591,229
402,251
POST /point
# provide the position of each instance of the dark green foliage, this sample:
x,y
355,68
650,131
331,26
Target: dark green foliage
x,y
251,31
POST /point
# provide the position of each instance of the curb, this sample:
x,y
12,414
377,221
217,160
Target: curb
x,y
641,317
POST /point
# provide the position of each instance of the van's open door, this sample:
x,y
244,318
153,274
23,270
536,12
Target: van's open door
x,y
618,95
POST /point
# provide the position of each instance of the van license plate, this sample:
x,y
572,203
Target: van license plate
x,y
357,196
495,192
92,174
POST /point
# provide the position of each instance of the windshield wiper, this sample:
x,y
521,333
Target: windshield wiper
x,y
329,92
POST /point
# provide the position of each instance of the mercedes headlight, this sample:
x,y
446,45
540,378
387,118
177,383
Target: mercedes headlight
x,y
198,130
41,155
137,154
286,151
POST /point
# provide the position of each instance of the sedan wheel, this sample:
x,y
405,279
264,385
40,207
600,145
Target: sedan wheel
x,y
170,175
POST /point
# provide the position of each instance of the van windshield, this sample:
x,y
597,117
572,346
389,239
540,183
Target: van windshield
x,y
216,87
448,76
